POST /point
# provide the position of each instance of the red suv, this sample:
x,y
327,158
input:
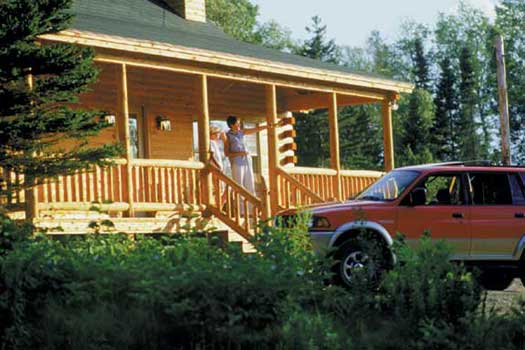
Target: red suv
x,y
478,209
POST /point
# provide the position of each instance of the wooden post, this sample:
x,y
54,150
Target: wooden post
x,y
388,139
503,101
335,161
30,193
203,122
124,135
273,157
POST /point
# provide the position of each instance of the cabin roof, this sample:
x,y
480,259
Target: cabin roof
x,y
154,20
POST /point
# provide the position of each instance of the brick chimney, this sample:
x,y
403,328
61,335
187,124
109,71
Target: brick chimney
x,y
192,10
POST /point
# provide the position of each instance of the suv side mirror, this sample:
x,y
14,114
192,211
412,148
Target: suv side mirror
x,y
418,196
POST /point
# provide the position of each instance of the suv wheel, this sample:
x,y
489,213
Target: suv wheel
x,y
354,256
495,280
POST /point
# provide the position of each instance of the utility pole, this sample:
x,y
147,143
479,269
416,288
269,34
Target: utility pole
x,y
503,101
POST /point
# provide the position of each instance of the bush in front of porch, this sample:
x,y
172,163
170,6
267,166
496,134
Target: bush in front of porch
x,y
113,292
110,291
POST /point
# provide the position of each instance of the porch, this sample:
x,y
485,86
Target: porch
x,y
163,87
159,184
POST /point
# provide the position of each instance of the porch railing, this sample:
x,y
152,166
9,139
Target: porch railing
x,y
160,184
355,181
294,193
321,181
84,188
235,206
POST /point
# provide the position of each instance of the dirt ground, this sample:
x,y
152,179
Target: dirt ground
x,y
504,300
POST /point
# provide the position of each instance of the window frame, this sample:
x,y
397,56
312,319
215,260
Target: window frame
x,y
460,174
471,189
521,184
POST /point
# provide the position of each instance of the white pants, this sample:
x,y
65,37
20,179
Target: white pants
x,y
243,175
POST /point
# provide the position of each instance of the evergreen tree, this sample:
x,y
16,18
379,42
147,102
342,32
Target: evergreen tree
x,y
34,119
421,66
318,46
361,136
417,119
444,134
313,140
469,147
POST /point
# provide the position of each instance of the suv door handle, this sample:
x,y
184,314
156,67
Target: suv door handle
x,y
457,215
519,215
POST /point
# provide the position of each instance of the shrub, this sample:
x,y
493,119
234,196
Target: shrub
x,y
114,292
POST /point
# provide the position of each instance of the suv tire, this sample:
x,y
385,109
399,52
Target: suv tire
x,y
495,280
356,254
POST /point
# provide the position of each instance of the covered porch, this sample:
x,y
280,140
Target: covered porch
x,y
163,87
158,108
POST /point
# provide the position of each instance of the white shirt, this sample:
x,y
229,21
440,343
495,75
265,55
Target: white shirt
x,y
216,153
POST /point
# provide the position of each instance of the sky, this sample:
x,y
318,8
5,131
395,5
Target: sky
x,y
351,21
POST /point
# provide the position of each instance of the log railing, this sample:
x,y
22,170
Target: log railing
x,y
318,180
293,193
165,184
101,185
11,189
235,206
321,181
355,181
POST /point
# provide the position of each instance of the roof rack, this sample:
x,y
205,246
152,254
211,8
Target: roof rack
x,y
474,163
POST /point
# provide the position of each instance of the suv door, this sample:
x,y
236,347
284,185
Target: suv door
x,y
497,215
444,214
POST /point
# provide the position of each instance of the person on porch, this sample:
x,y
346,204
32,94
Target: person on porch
x,y
237,152
217,135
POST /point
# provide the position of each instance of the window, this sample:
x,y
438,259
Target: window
x,y
389,187
516,187
490,189
443,189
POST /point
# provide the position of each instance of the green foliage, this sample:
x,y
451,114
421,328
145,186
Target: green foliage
x,y
113,292
238,18
510,23
317,46
416,120
467,125
33,119
444,134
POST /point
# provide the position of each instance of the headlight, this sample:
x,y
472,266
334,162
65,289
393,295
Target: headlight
x,y
318,222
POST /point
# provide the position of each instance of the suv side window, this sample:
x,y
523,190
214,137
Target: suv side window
x,y
443,189
490,189
516,186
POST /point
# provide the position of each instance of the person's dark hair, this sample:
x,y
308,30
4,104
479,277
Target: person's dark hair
x,y
231,120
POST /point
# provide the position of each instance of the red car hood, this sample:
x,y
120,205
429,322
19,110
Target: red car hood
x,y
336,206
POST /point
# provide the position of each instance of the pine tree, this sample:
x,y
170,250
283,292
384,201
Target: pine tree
x,y
318,46
421,66
469,147
361,137
313,147
417,119
444,134
34,119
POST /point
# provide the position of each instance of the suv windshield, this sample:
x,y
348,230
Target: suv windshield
x,y
390,186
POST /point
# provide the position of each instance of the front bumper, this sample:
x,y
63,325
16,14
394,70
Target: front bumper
x,y
321,240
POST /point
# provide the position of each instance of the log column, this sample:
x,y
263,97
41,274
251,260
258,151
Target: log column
x,y
273,157
388,139
203,122
124,135
335,160
30,193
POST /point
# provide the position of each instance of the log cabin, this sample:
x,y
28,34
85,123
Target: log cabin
x,y
166,74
